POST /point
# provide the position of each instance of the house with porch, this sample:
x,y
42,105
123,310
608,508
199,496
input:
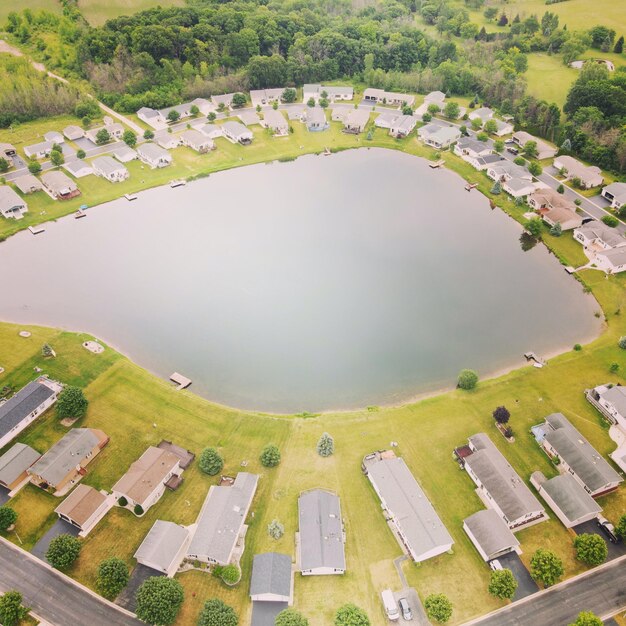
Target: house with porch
x,y
483,114
152,117
59,186
212,131
186,109
554,207
84,508
197,141
27,183
437,136
276,122
13,465
249,118
490,535
615,193
124,153
236,132
518,187
78,168
588,175
265,97
333,93
503,128
506,170
402,125
470,150
153,155
115,130
544,149
110,169
72,132
389,98
611,261
596,236
315,119
39,150
11,205
224,101
355,121
610,400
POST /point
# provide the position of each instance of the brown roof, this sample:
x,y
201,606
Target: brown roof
x,y
145,474
81,504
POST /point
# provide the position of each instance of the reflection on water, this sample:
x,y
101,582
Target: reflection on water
x,y
527,241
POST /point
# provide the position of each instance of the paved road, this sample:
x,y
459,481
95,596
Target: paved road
x,y
54,596
601,590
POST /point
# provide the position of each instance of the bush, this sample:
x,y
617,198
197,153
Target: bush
x,y
351,615
556,230
534,226
122,501
63,551
496,189
72,403
577,347
620,528
81,154
290,617
438,607
622,342
159,600
275,529
546,567
7,518
614,368
468,379
217,613
326,445
231,574
112,577
591,549
138,509
270,457
610,220
11,610
148,134
560,189
587,618
502,584
210,462
518,160
501,415
534,168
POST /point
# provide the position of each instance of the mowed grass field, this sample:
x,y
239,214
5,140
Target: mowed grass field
x,y
96,12
6,6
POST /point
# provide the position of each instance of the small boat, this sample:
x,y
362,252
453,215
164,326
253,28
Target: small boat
x,y
178,183
80,213
130,196
83,207
36,230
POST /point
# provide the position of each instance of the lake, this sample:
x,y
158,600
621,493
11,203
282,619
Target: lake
x,y
362,278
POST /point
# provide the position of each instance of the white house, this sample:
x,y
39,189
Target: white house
x,y
483,114
11,205
27,183
315,118
152,117
271,587
504,128
107,167
212,131
544,150
197,141
124,153
437,136
356,120
72,132
225,99
615,193
597,236
435,97
154,155
263,97
78,168
8,153
333,92
54,136
59,185
115,130
402,125
164,547
490,534
610,400
237,133
167,141
518,187
276,122
505,170
588,175
554,207
186,109
391,98
38,150
249,118
611,261
471,150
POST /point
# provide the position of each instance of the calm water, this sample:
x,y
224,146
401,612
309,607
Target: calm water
x,y
326,283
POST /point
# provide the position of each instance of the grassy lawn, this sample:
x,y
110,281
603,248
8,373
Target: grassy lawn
x,y
548,78
7,6
96,12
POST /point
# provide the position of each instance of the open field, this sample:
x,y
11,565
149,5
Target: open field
x,y
548,78
96,12
6,6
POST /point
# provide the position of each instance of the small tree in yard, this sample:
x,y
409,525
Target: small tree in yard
x,y
275,529
534,226
438,607
194,110
217,613
4,165
546,567
173,116
102,137
496,189
56,158
122,501
476,124
451,110
501,415
591,549
556,230
46,350
482,136
211,117
427,117
498,145
72,403
468,379
587,618
112,577
491,126
138,509
502,584
34,167
148,134
231,574
351,615
622,342
210,462
560,189
433,109
239,100
63,551
129,138
326,445
81,154
290,617
289,95
310,102
7,518
270,457
534,168
11,610
610,220
620,529
159,600
530,149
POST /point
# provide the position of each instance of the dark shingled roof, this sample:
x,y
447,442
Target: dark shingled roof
x,y
22,404
271,573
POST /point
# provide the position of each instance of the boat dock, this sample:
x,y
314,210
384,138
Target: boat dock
x,y
178,183
36,230
80,213
130,196
537,360
437,164
182,382
470,186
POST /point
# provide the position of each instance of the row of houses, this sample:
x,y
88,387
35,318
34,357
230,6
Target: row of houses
x,y
605,246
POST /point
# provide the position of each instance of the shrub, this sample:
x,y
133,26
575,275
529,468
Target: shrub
x,y
63,551
546,567
11,610
112,577
138,509
534,226
122,501
438,607
81,154
502,584
501,415
290,617
275,529
534,168
351,615
496,189
614,368
577,347
560,189
591,549
556,230
158,600
468,379
72,403
620,528
210,462
231,574
270,457
217,613
427,117
326,445
610,220
518,160
587,618
148,134
7,518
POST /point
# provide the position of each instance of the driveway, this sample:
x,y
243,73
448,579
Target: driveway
x,y
419,614
4,495
59,527
526,586
615,549
140,574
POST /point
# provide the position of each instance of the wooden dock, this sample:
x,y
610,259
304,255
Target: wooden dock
x,y
537,361
178,183
470,186
437,164
80,213
130,196
182,382
36,230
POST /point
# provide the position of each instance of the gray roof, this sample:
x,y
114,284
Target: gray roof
x,y
22,404
236,129
75,166
616,395
162,543
107,165
275,119
412,511
501,481
468,143
598,230
570,497
511,169
489,159
16,461
222,517
490,531
27,183
315,115
518,184
264,613
152,152
404,122
9,199
357,117
588,464
321,530
42,146
617,190
148,112
271,573
65,455
616,256
58,182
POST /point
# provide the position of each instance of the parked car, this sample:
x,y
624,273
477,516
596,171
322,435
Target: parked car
x,y
391,608
607,528
406,609
495,565
513,150
508,141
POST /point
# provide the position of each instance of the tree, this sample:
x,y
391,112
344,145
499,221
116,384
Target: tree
x,y
194,110
275,529
112,577
351,615
518,160
468,379
239,100
148,134
11,610
56,158
491,127
503,21
438,607
498,145
87,108
72,403
426,117
560,189
310,102
4,165
86,121
210,462
611,221
326,445
496,188
407,110
591,549
476,123
324,103
534,168
211,117
619,46
556,230
452,110
501,415
289,95
129,138
81,154
502,584
270,457
102,137
173,116
159,600
7,518
482,136
63,551
620,529
534,226
530,149
546,567
138,509
433,108
217,613
34,167
231,574
290,617
587,618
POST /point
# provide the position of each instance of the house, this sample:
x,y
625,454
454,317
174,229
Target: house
x,y
38,150
499,486
59,186
64,464
380,96
610,400
197,141
435,97
25,406
315,119
78,168
212,131
598,236
107,167
333,93
296,113
385,119
11,205
271,587
483,114
471,150
146,479
518,187
115,130
490,534
220,528
588,175
276,122
263,97
415,523
152,118
237,133
8,153
321,537
163,548
402,126
504,170
615,193
249,118
578,457
27,183
225,99
355,121
84,508
124,153
72,133
544,150
483,163
54,137
567,498
154,155
13,465
611,261
167,141
339,115
440,137
184,110
504,128
554,208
